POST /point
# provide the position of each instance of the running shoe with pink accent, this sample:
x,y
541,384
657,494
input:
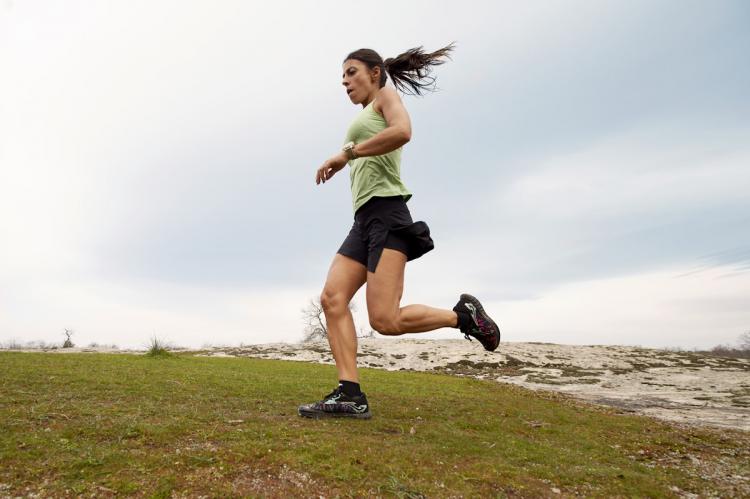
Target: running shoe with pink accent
x,y
484,328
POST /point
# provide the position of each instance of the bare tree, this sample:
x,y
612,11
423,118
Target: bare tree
x,y
315,322
745,340
68,344
315,326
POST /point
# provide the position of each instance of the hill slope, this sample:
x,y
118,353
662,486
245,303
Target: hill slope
x,y
677,386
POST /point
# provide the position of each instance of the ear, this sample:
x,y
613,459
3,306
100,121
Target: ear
x,y
375,74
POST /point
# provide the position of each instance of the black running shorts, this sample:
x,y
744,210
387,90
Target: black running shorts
x,y
385,222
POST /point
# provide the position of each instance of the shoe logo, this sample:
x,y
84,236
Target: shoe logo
x,y
473,311
333,399
355,407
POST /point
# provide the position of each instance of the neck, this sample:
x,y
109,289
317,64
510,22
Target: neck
x,y
369,99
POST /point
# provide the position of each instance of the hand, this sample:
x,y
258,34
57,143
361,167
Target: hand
x,y
330,167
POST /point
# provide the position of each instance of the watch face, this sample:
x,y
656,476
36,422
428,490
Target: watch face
x,y
349,149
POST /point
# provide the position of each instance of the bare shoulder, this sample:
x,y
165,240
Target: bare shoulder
x,y
387,97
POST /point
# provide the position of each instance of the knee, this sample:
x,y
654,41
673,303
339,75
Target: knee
x,y
385,325
332,302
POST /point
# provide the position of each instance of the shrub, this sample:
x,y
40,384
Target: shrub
x,y
158,348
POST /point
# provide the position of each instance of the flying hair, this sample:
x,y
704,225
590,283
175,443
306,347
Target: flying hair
x,y
410,71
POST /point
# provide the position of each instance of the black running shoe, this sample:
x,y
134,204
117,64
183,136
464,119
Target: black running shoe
x,y
337,404
484,329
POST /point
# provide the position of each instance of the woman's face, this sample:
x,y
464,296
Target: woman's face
x,y
359,81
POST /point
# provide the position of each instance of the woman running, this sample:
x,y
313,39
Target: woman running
x,y
383,237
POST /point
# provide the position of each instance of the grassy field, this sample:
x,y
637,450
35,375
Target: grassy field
x,y
181,425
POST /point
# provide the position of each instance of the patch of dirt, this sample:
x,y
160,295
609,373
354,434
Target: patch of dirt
x,y
254,481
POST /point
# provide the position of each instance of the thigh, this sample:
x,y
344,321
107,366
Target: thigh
x,y
386,285
345,277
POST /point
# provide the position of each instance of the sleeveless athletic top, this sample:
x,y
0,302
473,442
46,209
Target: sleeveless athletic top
x,y
373,175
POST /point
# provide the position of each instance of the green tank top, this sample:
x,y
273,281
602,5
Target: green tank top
x,y
373,175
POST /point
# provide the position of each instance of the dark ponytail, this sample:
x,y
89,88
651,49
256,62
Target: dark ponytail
x,y
410,71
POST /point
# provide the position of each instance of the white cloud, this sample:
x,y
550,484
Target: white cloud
x,y
658,309
633,202
129,313
639,174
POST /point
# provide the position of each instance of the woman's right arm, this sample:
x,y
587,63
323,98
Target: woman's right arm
x,y
396,134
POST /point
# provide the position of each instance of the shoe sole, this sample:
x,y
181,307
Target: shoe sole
x,y
324,415
475,302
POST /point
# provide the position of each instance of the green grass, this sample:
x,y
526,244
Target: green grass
x,y
107,424
158,348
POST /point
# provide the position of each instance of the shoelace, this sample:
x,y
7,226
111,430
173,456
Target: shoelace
x,y
334,392
481,333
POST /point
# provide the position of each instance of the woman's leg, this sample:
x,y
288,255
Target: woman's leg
x,y
384,289
345,277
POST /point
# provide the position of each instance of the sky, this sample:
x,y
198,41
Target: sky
x,y
583,166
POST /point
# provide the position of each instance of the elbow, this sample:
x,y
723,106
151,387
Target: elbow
x,y
398,135
405,136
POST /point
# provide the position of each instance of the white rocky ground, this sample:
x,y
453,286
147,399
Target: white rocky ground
x,y
679,386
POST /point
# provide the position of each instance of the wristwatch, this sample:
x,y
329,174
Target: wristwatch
x,y
349,150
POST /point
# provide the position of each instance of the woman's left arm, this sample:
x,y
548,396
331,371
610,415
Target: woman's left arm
x,y
396,134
